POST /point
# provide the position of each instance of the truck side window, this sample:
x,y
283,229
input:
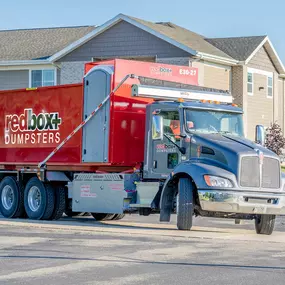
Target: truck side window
x,y
172,160
157,126
171,124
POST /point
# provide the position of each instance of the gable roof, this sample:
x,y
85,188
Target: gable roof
x,y
49,45
193,43
188,38
33,44
239,48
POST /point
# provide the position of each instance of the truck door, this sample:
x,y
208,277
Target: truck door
x,y
97,84
164,155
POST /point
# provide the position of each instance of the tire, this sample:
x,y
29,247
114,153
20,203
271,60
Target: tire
x,y
102,216
11,198
185,207
59,205
264,224
39,200
118,217
71,214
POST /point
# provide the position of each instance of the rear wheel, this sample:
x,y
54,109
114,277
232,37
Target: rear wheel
x,y
59,206
184,205
39,200
118,217
102,216
264,224
11,198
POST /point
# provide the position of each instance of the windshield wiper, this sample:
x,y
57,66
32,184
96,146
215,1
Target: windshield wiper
x,y
181,149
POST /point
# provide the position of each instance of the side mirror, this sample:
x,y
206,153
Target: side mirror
x,y
157,127
260,135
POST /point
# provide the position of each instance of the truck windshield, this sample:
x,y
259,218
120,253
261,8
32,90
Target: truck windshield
x,y
208,121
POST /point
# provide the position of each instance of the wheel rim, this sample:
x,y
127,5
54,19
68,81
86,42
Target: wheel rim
x,y
34,198
7,197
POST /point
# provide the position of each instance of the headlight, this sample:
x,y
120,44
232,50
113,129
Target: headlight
x,y
216,181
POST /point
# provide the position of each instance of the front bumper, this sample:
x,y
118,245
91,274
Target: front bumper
x,y
242,202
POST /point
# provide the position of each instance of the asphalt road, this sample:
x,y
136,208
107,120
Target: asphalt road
x,y
139,250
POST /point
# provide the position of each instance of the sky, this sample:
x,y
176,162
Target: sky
x,y
220,18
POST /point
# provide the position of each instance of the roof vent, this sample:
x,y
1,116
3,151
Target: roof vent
x,y
167,24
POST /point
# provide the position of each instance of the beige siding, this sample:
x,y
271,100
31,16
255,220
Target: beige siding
x,y
281,103
259,107
217,77
261,60
200,65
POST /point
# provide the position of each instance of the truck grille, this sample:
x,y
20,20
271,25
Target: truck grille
x,y
250,172
270,173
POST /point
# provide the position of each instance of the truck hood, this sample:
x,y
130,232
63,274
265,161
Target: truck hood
x,y
232,143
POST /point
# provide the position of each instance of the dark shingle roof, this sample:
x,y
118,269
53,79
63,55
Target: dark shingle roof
x,y
38,43
239,48
181,35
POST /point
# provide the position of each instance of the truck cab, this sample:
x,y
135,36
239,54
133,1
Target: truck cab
x,y
198,151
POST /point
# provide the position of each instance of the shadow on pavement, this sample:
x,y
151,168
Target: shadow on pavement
x,y
138,261
86,222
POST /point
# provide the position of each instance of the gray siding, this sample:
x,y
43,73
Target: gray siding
x,y
72,72
124,40
14,79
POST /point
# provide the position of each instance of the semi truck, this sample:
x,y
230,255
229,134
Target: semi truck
x,y
134,137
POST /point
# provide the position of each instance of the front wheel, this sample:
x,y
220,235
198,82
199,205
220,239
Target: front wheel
x,y
264,224
184,205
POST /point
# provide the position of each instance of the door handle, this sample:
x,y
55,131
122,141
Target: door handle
x,y
155,164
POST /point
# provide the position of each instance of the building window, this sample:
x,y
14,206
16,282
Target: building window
x,y
41,78
250,83
269,86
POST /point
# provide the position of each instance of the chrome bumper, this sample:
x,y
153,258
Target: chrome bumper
x,y
242,202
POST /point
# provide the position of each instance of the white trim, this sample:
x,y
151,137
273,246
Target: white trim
x,y
174,94
30,78
252,83
215,58
269,97
216,65
55,76
45,68
256,50
259,71
26,67
277,56
108,25
263,43
23,62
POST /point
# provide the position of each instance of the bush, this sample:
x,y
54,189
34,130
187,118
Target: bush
x,y
274,139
